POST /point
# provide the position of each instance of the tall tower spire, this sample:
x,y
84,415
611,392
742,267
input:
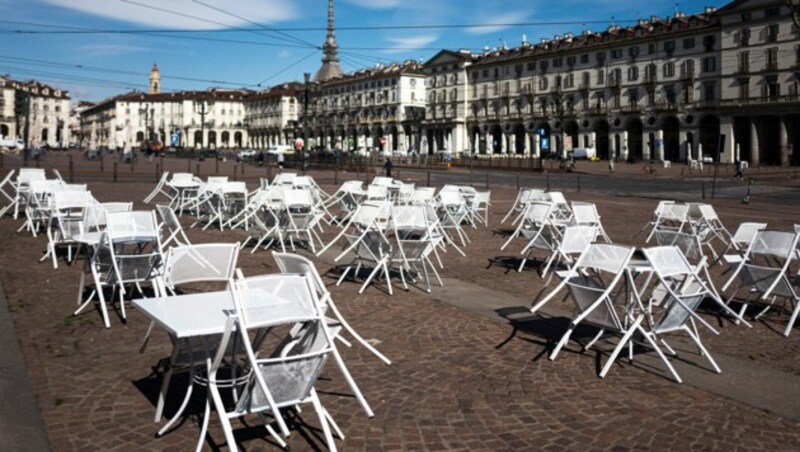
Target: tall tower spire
x,y
155,80
330,52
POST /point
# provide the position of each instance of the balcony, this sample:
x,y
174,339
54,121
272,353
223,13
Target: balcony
x,y
743,69
614,82
771,66
687,75
597,110
665,106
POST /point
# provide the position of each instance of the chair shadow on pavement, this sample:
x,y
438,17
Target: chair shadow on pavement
x,y
512,263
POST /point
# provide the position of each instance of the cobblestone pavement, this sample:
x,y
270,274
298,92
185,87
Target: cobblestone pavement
x,y
458,381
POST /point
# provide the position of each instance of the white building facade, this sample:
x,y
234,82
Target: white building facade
x,y
48,113
370,109
271,116
192,119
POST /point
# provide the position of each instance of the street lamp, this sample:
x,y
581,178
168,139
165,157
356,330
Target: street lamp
x,y
794,8
307,79
205,108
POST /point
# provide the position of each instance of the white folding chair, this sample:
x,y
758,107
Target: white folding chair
x,y
741,238
6,187
66,221
524,197
295,264
674,217
25,177
184,265
765,270
377,193
415,243
561,210
299,218
480,207
129,254
423,195
709,229
160,189
174,230
569,246
452,213
655,219
585,214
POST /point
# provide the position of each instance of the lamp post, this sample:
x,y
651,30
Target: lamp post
x,y
794,8
205,108
307,79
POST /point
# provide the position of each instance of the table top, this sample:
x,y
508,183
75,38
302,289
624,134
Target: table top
x,y
203,314
184,184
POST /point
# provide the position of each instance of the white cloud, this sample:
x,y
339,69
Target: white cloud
x,y
284,54
377,4
255,10
512,17
405,44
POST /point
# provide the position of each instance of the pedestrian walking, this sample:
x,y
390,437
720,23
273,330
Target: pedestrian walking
x,y
611,166
388,166
739,170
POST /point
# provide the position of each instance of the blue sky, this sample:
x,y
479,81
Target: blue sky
x,y
113,63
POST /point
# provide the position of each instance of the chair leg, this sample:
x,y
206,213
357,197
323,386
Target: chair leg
x,y
702,348
595,339
790,325
661,355
326,428
561,343
622,343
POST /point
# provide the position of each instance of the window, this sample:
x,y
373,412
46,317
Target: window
x,y
669,91
651,96
708,42
633,52
687,69
569,81
688,94
772,12
601,77
586,77
688,43
744,62
744,37
651,48
557,62
600,56
571,61
772,33
542,83
475,75
797,55
616,53
709,64
708,91
744,89
633,96
531,66
585,58
669,69
543,65
772,59
745,16
633,73
772,87
485,73
669,47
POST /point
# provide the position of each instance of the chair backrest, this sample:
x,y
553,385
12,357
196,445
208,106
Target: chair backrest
x,y
234,188
182,177
296,197
409,217
482,198
585,213
577,238
663,207
537,212
449,187
382,181
135,224
451,197
689,244
746,232
676,212
556,197
289,263
71,199
112,207
351,186
606,257
292,299
94,216
217,179
74,187
423,194
207,262
284,179
707,212
377,192
304,182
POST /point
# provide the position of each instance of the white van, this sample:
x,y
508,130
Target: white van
x,y
280,149
584,153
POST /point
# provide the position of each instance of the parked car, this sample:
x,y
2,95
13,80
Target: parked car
x,y
280,149
584,153
708,159
12,143
246,154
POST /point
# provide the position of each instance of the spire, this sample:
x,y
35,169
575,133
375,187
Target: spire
x,y
155,80
330,52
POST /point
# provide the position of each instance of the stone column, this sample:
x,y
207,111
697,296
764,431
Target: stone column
x,y
512,143
647,146
755,154
727,154
659,145
593,140
489,144
623,154
537,148
503,139
784,140
527,145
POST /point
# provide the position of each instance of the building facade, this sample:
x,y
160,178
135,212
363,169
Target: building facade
x,y
193,119
446,112
47,115
369,109
271,116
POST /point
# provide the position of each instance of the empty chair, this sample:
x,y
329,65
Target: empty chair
x,y
673,217
585,214
66,221
299,218
569,246
661,208
174,230
423,195
452,213
741,238
289,263
6,194
479,207
710,229
415,243
765,271
383,181
377,193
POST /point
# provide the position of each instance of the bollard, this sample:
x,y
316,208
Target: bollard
x,y
198,170
101,162
38,162
216,166
71,170
188,165
132,164
579,184
269,172
2,160
703,188
517,181
487,181
547,181
242,170
158,173
336,176
234,171
429,179
115,171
